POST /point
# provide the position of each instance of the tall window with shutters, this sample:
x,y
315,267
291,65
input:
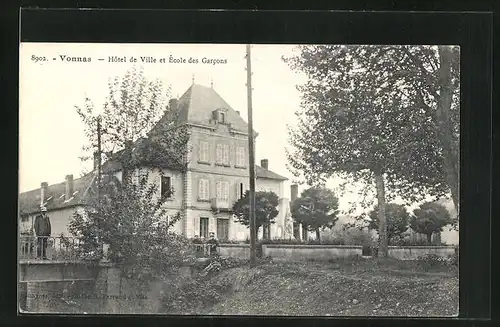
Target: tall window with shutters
x,y
203,190
240,190
222,229
203,227
225,157
204,152
240,156
166,187
219,154
222,190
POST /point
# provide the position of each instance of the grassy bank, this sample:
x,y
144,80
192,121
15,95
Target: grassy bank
x,y
370,287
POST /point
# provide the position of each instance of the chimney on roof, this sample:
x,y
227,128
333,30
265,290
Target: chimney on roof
x,y
294,192
264,163
172,104
43,192
69,187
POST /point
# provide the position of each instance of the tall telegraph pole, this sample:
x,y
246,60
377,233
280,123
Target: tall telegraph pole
x,y
99,159
251,150
99,173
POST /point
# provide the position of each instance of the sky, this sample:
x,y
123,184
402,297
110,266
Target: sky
x,y
51,134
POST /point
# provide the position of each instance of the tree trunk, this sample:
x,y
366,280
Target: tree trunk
x,y
382,230
318,235
445,128
269,231
429,239
126,162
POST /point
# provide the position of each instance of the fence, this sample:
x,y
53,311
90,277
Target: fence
x,y
66,248
48,247
202,249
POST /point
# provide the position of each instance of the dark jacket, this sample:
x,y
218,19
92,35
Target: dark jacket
x,y
213,245
42,225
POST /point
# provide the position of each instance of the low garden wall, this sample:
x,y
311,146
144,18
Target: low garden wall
x,y
295,252
238,251
415,252
106,290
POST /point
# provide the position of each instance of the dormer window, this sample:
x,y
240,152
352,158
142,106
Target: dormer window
x,y
219,116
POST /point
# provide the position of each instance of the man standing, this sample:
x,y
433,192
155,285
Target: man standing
x,y
42,231
213,244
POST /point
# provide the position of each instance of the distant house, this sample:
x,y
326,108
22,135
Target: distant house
x,y
61,201
217,175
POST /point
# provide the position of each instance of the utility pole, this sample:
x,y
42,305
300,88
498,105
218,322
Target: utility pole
x,y
251,150
99,168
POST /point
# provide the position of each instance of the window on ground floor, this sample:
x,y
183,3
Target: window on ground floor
x,y
223,229
204,227
166,187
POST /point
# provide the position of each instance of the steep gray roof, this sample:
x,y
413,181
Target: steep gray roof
x,y
197,104
265,173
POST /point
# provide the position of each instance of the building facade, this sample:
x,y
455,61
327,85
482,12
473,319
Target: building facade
x,y
217,175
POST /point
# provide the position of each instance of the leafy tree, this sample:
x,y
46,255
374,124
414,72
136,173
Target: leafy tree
x,y
266,209
430,218
316,209
138,130
135,117
397,221
133,222
368,114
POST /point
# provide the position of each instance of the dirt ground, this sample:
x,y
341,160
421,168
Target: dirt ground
x,y
368,287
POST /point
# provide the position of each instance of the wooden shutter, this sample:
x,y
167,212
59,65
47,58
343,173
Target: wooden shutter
x,y
205,152
203,189
238,191
219,153
226,154
240,156
225,190
219,190
196,227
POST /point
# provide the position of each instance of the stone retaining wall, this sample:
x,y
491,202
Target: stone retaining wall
x,y
294,252
238,251
108,291
415,252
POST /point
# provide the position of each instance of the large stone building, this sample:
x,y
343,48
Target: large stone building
x,y
217,175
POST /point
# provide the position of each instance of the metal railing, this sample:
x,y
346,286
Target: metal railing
x,y
203,249
48,248
66,248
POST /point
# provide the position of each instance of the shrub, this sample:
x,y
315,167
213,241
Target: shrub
x,y
416,242
453,259
308,242
432,261
197,293
352,236
203,290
